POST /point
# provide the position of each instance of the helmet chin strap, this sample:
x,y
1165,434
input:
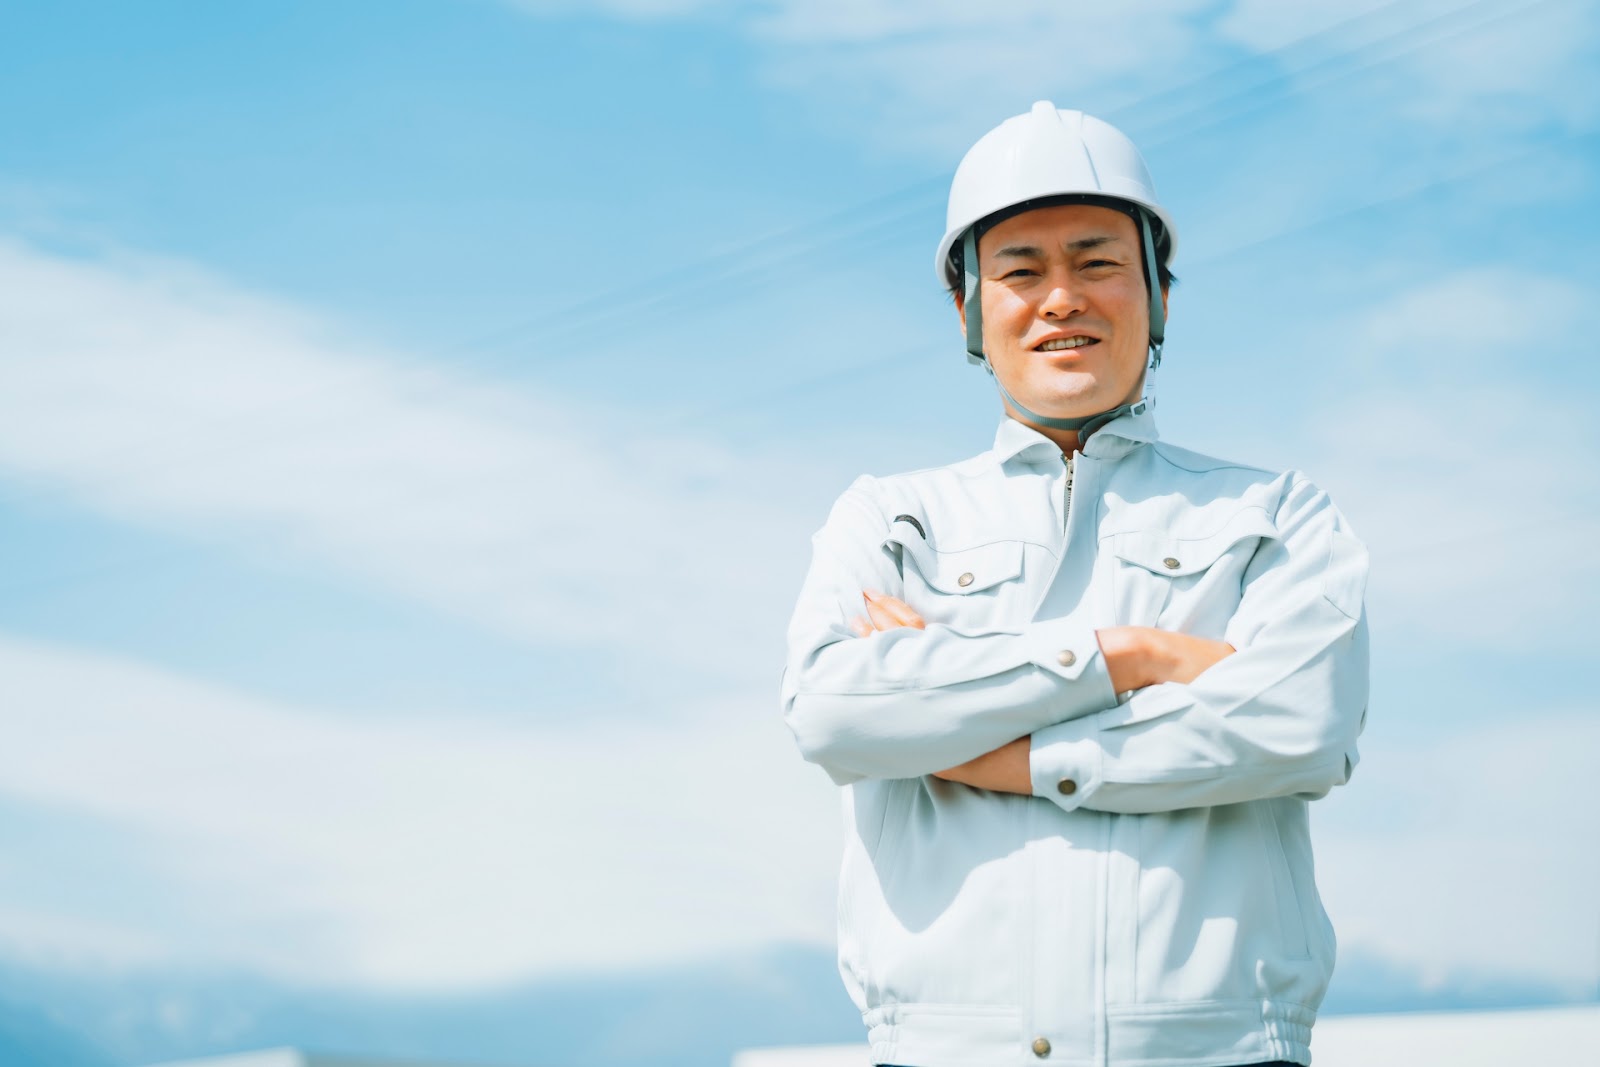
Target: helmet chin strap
x,y
972,304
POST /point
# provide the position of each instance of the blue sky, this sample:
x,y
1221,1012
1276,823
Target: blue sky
x,y
413,416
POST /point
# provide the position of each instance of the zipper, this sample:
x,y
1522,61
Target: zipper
x,y
1060,556
1066,500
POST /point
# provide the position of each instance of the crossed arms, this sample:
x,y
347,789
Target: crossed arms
x,y
1135,657
1209,725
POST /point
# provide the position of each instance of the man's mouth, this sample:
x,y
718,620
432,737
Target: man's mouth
x,y
1061,343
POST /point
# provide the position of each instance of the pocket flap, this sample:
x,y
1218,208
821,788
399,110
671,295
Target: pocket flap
x,y
962,571
1162,552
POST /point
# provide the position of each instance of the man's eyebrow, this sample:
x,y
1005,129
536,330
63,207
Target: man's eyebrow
x,y
1033,252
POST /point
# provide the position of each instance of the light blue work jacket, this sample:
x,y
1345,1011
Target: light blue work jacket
x,y
1152,903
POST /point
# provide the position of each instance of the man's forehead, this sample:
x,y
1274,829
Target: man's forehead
x,y
1072,226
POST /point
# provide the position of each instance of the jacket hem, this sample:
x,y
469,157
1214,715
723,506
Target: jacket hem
x,y
1194,1034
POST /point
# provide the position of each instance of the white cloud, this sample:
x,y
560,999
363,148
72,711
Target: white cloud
x,y
1536,66
442,853
432,852
1464,327
80,942
933,82
150,391
933,75
1493,64
1468,468
413,853
1475,542
1477,852
929,76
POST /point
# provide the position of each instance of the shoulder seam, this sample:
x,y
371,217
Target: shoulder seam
x,y
1164,451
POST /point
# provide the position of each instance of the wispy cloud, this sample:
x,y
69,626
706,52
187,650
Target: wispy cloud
x,y
1491,62
150,391
931,76
1472,473
412,853
442,853
1473,853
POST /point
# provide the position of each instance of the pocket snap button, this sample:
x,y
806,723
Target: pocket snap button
x,y
965,580
1067,657
1170,563
1041,1047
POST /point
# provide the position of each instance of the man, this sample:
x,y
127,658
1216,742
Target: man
x,y
1081,686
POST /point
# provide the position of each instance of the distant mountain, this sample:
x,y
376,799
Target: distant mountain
x,y
28,1038
1364,985
689,1016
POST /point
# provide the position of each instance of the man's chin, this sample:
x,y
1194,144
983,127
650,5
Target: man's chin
x,y
1059,407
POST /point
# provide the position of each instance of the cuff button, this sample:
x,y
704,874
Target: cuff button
x,y
1066,787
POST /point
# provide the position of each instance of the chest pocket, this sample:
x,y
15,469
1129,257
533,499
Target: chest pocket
x,y
958,586
1188,583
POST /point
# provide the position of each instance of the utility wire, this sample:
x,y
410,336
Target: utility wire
x,y
1412,38
834,229
747,263
876,365
873,364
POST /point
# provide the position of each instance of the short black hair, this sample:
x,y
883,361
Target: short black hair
x,y
954,266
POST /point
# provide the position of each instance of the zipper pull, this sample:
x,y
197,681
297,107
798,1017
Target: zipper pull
x,y
1066,502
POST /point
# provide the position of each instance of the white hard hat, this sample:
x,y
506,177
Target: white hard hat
x,y
1046,152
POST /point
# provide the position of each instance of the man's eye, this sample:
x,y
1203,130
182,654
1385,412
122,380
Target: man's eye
x,y
1094,263
1020,272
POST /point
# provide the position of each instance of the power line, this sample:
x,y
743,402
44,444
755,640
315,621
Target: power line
x,y
1408,39
872,365
855,371
795,243
879,364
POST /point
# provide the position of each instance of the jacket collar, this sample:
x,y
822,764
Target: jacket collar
x,y
1116,438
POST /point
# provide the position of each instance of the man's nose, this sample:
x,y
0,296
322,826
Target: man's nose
x,y
1062,299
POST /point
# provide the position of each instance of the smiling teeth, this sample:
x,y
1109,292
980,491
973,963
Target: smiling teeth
x,y
1065,342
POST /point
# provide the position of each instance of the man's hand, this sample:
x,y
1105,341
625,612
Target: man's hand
x,y
1136,656
885,613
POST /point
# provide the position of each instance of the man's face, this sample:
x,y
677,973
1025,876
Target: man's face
x,y
1066,318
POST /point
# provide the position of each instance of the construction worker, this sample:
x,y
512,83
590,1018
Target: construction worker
x,y
1080,687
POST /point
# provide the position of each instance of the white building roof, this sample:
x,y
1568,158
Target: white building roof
x,y
291,1057
1402,1039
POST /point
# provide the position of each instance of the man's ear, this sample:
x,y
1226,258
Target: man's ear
x,y
1165,289
961,309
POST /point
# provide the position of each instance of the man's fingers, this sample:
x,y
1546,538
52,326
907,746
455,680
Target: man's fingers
x,y
879,613
904,613
861,626
889,612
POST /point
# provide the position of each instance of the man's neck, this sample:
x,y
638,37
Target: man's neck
x,y
1069,441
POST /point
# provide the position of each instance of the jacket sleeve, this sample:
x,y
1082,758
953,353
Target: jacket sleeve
x,y
1279,717
905,702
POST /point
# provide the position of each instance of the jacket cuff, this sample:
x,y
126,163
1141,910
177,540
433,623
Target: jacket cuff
x,y
1066,762
1069,649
